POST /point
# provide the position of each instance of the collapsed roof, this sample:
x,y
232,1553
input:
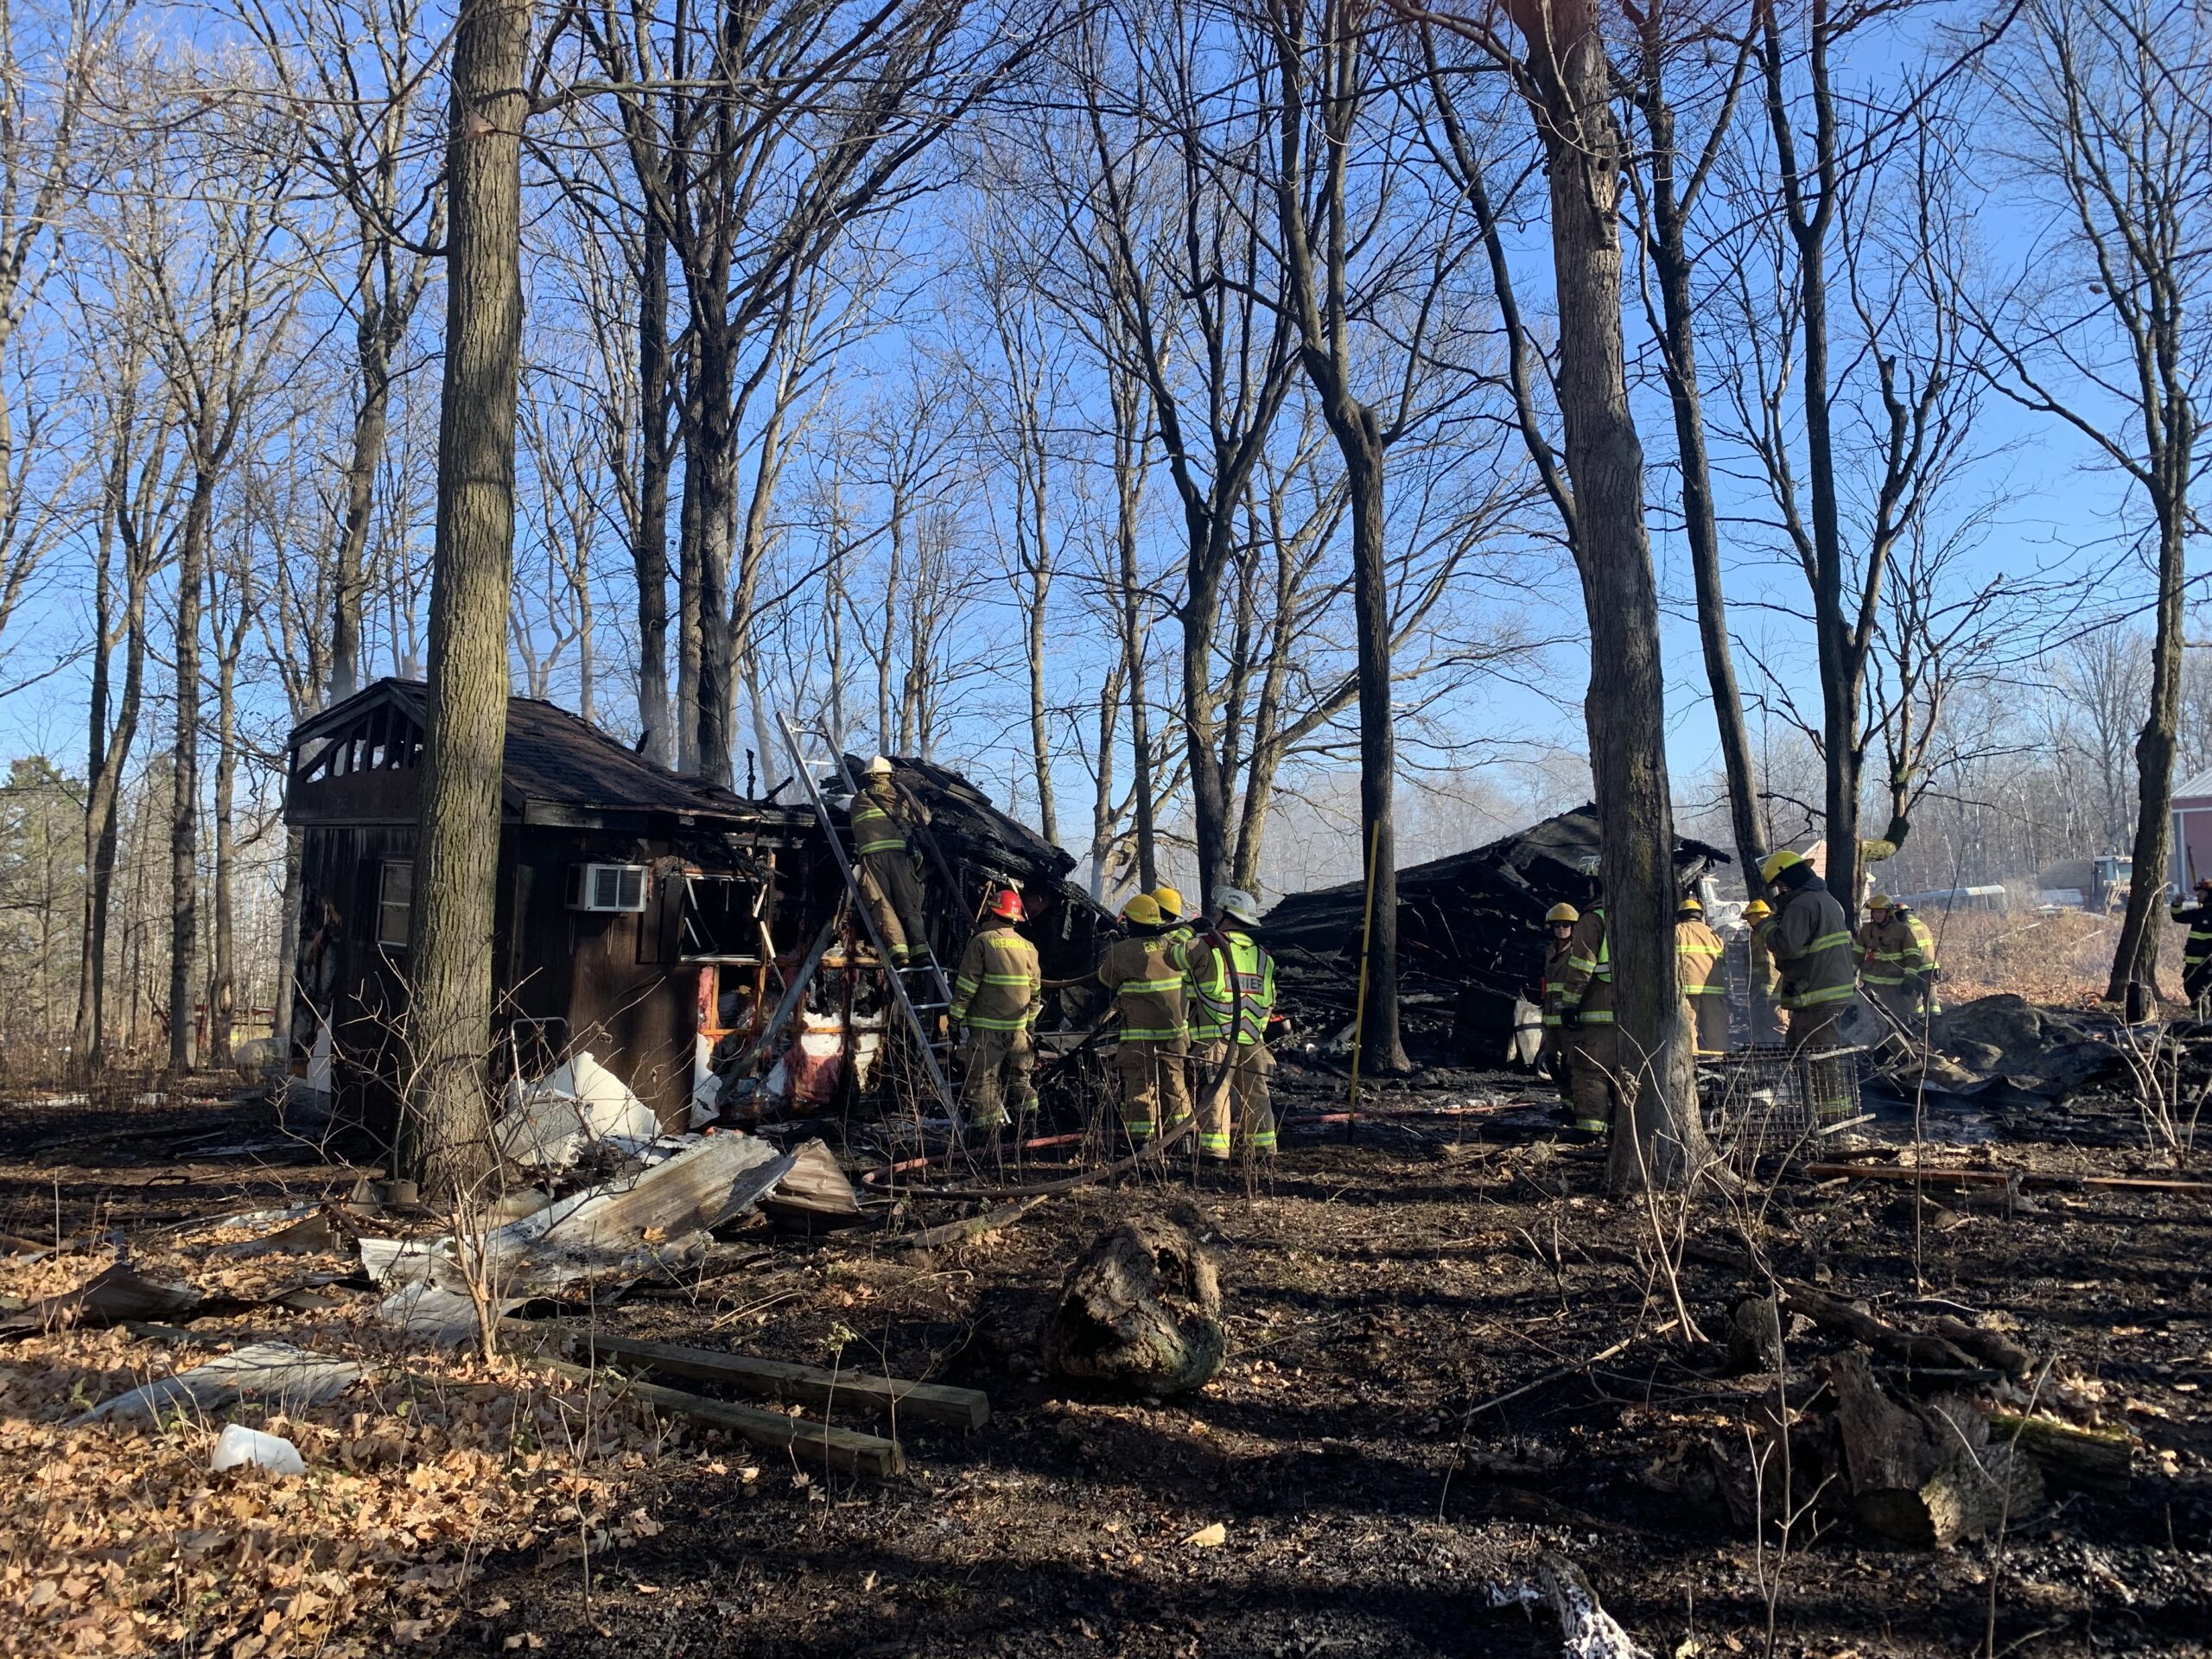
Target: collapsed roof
x,y
1469,932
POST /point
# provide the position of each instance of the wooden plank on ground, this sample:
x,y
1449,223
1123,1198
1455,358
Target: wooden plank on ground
x,y
1934,1177
840,1449
780,1379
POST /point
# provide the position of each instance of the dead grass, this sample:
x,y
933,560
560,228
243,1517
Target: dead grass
x,y
2062,958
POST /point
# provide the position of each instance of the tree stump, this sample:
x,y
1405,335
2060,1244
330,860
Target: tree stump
x,y
1141,1307
1927,1477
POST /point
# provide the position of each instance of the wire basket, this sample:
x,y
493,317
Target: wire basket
x,y
1760,1099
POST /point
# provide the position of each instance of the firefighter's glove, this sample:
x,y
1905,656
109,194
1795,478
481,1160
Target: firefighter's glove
x,y
1570,1017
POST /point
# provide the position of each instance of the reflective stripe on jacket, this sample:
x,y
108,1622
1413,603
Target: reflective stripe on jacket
x,y
875,827
1697,959
1896,950
1588,983
1811,938
1554,978
1147,980
1214,996
1001,987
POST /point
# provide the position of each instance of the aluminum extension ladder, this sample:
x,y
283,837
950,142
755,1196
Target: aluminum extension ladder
x,y
936,1051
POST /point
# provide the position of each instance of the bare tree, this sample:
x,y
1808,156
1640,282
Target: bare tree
x,y
139,485
2111,107
443,1131
353,84
45,90
1670,37
1564,74
762,136
218,265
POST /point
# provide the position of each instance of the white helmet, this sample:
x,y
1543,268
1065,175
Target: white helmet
x,y
879,767
1238,905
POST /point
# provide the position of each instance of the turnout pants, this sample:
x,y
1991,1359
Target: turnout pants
x,y
1235,1073
1707,1016
994,1065
895,899
1155,1090
2196,982
1592,1055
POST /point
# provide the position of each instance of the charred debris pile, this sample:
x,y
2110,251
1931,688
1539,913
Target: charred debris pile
x,y
1470,934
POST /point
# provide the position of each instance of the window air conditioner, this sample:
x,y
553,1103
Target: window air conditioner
x,y
607,888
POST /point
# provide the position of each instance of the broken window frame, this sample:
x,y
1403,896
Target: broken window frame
x,y
689,937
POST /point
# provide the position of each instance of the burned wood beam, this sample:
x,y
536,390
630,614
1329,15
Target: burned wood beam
x,y
840,1449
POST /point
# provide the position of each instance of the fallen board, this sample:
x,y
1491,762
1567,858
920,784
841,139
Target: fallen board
x,y
778,1379
837,1448
2001,1176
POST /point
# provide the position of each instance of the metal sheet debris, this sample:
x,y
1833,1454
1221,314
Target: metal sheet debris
x,y
287,1378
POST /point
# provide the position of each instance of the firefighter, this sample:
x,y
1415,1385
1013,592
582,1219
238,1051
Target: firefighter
x,y
2196,952
885,864
1145,976
1810,940
1559,923
1896,961
996,996
1586,1017
1704,989
1766,1013
1233,982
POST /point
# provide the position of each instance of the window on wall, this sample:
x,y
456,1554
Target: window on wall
x,y
395,902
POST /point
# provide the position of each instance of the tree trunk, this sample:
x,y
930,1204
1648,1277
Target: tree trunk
x,y
649,541
349,580
1625,710
1381,1049
110,755
1128,490
717,509
2136,956
1700,527
222,979
687,606
444,1143
1843,656
287,963
184,800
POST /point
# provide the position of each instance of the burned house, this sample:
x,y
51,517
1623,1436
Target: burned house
x,y
1471,934
641,917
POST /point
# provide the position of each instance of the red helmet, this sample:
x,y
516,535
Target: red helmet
x,y
1007,903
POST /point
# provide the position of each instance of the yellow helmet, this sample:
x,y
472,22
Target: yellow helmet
x,y
1562,913
1776,863
1143,910
1881,901
1170,902
1689,903
1758,910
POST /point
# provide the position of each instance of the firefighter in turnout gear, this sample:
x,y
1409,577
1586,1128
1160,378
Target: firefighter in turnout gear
x,y
885,865
1232,980
1810,939
1559,923
1705,991
1766,1010
2197,951
996,996
1144,975
1586,1017
1896,961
